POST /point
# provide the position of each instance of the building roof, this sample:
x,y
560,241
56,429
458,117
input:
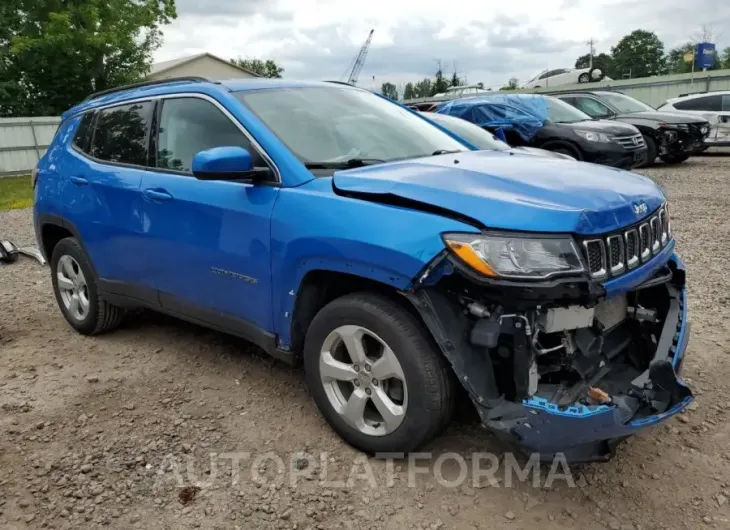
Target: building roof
x,y
158,68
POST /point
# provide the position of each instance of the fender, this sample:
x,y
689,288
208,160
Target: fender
x,y
391,249
563,143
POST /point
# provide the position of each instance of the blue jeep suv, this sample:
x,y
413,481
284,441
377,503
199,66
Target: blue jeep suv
x,y
335,228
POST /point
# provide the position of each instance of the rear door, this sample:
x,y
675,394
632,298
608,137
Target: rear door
x,y
101,195
208,242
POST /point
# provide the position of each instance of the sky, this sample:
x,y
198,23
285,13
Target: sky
x,y
486,41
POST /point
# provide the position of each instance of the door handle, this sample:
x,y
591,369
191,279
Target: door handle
x,y
79,181
157,194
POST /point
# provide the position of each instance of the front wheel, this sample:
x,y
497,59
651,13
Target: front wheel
x,y
376,376
584,78
675,159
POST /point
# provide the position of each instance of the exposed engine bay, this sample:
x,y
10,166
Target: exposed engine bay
x,y
570,354
564,346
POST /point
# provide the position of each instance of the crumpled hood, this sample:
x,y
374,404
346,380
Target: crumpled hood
x,y
671,118
512,192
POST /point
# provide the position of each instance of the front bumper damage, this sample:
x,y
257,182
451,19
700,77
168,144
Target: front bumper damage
x,y
635,389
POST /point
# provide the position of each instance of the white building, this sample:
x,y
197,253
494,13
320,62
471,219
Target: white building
x,y
203,65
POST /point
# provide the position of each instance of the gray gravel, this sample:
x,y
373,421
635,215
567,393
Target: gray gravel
x,y
93,430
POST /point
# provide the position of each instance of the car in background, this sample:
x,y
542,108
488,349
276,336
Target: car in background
x,y
673,137
565,76
535,120
483,139
714,107
462,91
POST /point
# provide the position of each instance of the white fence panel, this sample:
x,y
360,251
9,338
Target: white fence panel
x,y
23,141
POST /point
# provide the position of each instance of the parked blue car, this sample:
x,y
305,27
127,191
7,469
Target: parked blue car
x,y
333,227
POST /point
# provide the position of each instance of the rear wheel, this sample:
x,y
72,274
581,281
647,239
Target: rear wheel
x,y
584,78
376,376
675,158
74,285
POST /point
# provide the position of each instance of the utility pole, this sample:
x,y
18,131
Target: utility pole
x,y
591,43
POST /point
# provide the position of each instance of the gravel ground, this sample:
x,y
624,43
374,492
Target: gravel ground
x,y
118,430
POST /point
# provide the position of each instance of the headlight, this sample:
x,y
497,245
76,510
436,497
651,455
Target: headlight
x,y
516,256
595,136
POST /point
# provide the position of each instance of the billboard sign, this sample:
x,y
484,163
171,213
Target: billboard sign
x,y
705,55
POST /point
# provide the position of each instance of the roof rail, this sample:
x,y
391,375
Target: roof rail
x,y
141,84
339,82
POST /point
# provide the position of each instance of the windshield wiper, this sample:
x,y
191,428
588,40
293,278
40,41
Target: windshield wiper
x,y
445,152
345,164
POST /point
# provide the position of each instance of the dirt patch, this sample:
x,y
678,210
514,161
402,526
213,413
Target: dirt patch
x,y
165,425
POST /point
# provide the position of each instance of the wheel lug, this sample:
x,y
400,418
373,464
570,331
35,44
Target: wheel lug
x,y
356,382
375,382
356,367
367,367
368,391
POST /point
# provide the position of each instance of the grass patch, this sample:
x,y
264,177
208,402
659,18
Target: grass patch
x,y
15,192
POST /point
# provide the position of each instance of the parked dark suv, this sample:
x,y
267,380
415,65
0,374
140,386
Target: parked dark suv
x,y
534,120
673,137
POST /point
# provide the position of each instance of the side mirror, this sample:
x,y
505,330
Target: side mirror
x,y
227,163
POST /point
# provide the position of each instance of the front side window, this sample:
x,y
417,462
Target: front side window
x,y
337,124
121,134
592,107
190,125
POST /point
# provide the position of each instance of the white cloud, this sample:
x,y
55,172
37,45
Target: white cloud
x,y
489,41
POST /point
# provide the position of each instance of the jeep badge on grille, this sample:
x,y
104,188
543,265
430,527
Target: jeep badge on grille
x,y
640,208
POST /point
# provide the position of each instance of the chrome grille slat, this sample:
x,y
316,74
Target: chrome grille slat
x,y
617,253
635,141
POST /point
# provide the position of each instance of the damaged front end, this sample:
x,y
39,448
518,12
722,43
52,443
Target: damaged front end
x,y
570,363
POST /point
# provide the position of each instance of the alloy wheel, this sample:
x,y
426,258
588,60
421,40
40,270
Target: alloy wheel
x,y
72,287
363,380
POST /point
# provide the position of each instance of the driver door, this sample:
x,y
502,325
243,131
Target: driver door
x,y
207,242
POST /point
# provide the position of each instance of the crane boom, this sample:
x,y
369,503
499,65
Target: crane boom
x,y
360,61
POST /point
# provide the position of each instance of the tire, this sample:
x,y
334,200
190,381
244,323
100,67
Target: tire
x,y
675,158
584,78
428,397
650,151
96,315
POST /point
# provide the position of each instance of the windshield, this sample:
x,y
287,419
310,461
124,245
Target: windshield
x,y
625,104
473,134
329,125
560,112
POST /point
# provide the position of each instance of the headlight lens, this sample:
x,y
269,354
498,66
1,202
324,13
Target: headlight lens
x,y
595,136
516,256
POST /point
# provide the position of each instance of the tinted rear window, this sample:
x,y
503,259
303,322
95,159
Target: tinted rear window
x,y
706,103
121,134
83,132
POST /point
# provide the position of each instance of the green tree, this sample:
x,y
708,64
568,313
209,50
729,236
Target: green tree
x,y
409,91
267,68
423,88
53,53
639,54
725,58
512,84
389,91
603,61
677,65
455,81
440,85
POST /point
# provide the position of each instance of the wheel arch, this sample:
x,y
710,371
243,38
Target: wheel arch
x,y
551,145
320,286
